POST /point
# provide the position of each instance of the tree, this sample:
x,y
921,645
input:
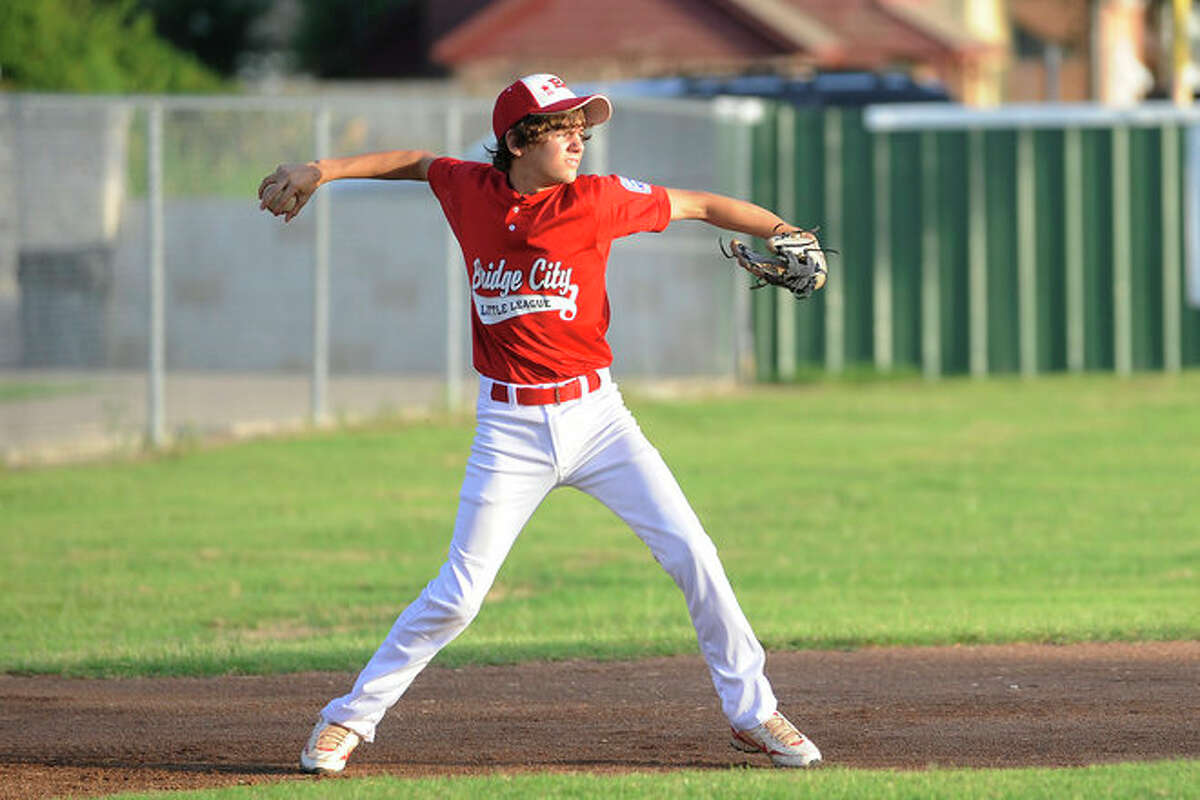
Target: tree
x,y
82,46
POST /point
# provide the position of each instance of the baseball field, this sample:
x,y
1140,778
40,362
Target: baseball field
x,y
966,589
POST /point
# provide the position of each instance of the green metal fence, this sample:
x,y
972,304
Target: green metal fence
x,y
1017,240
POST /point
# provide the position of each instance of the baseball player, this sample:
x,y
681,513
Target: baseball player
x,y
535,237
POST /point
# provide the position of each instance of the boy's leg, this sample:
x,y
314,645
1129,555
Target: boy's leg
x,y
504,484
628,475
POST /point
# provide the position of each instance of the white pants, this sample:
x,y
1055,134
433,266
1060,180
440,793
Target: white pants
x,y
519,454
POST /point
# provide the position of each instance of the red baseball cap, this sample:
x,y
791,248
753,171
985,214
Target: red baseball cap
x,y
544,94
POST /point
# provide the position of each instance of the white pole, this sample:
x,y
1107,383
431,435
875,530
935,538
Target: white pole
x,y
155,377
1026,254
1073,223
977,275
835,300
321,261
931,312
743,322
455,282
1122,255
596,153
785,305
884,343
1172,293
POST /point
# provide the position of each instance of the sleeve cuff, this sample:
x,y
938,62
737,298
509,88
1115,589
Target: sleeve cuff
x,y
664,210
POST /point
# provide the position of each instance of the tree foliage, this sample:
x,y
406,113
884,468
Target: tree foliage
x,y
86,46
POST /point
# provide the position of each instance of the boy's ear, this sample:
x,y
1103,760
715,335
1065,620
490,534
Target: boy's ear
x,y
510,141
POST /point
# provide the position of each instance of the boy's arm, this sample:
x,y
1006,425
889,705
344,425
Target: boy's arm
x,y
285,191
726,212
731,214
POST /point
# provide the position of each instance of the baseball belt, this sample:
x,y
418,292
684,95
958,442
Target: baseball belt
x,y
544,395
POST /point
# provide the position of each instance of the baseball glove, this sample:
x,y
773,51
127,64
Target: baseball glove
x,y
795,261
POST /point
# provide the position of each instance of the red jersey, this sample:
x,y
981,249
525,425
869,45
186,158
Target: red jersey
x,y
536,264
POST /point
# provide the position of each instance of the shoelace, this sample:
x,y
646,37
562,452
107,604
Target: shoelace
x,y
332,737
783,730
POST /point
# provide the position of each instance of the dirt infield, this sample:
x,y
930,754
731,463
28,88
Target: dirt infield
x,y
992,706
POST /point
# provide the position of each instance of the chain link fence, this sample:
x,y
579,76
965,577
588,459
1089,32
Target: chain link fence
x,y
144,297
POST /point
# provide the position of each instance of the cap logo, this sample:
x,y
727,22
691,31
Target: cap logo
x,y
547,89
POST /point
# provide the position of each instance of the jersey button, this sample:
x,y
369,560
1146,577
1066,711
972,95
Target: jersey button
x,y
516,209
512,227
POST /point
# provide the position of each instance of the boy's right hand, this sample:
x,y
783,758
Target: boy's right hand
x,y
285,191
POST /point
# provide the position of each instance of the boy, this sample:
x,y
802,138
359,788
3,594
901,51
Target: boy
x,y
535,236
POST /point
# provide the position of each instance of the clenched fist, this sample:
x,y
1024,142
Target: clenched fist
x,y
285,191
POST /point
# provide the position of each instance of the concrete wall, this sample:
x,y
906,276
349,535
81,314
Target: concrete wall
x,y
239,289
60,211
239,284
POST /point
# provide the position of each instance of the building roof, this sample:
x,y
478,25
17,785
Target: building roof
x,y
664,36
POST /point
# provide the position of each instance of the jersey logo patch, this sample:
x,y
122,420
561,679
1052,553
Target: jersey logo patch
x,y
552,288
634,186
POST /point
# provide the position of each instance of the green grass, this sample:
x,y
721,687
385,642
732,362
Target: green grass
x,y
16,391
847,513
1174,779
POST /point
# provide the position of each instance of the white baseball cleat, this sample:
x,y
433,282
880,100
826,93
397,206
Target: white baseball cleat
x,y
328,748
780,740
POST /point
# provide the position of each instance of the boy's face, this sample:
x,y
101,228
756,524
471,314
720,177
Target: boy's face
x,y
555,158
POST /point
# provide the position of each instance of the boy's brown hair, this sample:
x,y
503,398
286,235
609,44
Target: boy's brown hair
x,y
531,129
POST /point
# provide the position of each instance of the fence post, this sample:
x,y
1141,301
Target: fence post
x,y
155,379
931,316
1122,255
785,304
1172,332
977,289
319,389
835,321
882,163
1026,254
747,113
1073,233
